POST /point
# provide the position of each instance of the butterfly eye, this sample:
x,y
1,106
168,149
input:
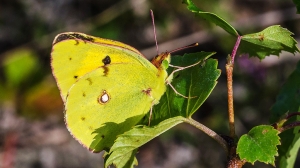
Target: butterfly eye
x,y
103,98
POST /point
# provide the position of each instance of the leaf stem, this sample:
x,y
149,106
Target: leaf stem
x,y
289,126
207,131
280,124
292,114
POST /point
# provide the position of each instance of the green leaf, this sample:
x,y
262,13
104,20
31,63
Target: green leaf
x,y
259,145
196,83
123,160
126,144
288,100
270,41
198,80
297,3
288,151
211,17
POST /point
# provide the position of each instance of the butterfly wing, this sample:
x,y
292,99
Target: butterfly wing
x,y
75,54
109,101
107,86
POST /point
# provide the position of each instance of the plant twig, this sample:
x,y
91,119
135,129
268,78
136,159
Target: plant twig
x,y
229,70
233,161
208,131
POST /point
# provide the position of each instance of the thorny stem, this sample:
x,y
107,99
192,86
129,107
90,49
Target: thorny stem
x,y
208,131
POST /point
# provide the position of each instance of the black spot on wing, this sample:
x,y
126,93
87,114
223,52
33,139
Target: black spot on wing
x,y
106,70
106,60
75,76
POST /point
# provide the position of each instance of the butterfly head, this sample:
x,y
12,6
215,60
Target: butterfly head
x,y
162,60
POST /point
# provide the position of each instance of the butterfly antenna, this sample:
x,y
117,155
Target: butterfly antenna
x,y
185,47
154,31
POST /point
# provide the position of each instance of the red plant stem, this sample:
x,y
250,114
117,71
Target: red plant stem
x,y
292,114
289,126
235,48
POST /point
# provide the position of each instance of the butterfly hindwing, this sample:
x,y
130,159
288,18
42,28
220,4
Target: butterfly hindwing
x,y
109,101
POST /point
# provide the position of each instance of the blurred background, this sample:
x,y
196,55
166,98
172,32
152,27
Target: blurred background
x,y
32,129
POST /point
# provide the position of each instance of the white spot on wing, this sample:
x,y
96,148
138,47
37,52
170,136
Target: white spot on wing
x,y
103,98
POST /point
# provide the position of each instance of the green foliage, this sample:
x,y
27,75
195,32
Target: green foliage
x,y
271,41
288,150
211,17
27,95
127,143
123,156
288,100
198,80
259,145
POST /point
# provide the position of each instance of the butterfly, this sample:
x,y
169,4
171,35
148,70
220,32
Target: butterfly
x,y
107,86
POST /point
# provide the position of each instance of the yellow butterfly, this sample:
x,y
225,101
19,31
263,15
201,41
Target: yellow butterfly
x,y
107,86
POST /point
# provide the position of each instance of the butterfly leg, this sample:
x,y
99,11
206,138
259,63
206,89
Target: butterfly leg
x,y
178,92
168,81
150,116
179,68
